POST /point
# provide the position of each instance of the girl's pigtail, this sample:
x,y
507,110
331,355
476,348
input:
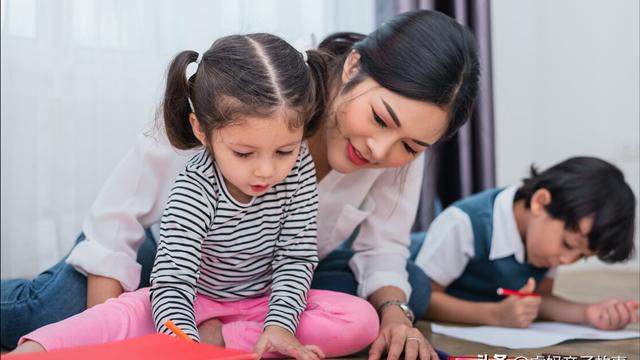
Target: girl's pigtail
x,y
176,105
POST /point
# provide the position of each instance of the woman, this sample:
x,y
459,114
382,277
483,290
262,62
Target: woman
x,y
383,100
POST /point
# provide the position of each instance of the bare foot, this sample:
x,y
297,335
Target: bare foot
x,y
211,332
28,347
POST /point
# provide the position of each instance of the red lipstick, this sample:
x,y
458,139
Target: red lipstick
x,y
354,156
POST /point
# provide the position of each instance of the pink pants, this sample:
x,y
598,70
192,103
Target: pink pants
x,y
340,324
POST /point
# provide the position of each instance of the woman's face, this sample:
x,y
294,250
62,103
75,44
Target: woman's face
x,y
372,127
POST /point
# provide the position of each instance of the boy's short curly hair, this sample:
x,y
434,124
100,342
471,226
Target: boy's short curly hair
x,y
587,186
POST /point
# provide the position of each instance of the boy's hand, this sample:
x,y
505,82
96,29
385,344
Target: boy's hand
x,y
612,314
276,338
518,311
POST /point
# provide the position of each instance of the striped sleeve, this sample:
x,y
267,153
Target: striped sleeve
x,y
296,254
184,226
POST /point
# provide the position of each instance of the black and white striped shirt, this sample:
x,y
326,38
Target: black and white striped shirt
x,y
214,245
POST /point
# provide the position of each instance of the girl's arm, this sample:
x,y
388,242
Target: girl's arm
x,y
131,199
175,272
296,254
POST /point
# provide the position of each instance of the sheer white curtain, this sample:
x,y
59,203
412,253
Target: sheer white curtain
x,y
79,80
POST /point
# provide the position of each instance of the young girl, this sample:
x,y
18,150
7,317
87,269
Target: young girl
x,y
238,235
380,107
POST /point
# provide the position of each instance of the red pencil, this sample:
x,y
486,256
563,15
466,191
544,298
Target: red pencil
x,y
503,291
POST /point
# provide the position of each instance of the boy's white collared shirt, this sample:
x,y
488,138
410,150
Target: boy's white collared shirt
x,y
449,244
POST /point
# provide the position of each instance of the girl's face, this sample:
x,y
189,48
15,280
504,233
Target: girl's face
x,y
255,153
372,127
547,240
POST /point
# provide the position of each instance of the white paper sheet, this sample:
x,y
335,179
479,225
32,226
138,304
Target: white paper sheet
x,y
538,334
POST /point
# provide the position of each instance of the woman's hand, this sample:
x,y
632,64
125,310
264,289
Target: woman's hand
x,y
276,338
612,314
397,334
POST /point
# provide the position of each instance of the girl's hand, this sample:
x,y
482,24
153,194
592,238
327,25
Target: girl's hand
x,y
276,338
612,314
398,334
518,311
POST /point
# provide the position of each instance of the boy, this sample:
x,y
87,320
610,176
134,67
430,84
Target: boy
x,y
515,238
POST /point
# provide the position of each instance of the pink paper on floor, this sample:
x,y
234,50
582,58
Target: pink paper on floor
x,y
152,347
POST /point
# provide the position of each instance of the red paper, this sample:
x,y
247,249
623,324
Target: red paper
x,y
152,347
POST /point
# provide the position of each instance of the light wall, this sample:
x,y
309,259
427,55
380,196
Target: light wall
x,y
566,83
81,78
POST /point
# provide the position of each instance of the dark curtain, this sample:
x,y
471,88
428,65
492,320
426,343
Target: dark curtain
x,y
464,164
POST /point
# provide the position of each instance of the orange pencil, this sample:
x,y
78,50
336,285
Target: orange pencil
x,y
503,291
176,330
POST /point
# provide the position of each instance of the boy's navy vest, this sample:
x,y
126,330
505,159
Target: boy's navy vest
x,y
482,277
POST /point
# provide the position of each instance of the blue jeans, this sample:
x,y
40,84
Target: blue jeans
x,y
53,295
333,273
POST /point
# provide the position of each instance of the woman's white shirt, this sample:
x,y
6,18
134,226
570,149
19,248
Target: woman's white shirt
x,y
134,197
385,207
